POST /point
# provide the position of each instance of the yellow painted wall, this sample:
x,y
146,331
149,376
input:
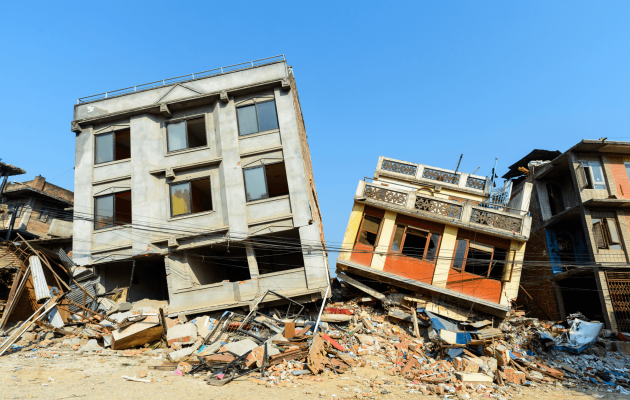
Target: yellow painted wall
x,y
351,231
510,289
445,255
385,237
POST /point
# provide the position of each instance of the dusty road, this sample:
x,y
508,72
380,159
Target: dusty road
x,y
100,377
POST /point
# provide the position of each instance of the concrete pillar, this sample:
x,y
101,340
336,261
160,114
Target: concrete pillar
x,y
230,168
385,237
604,297
445,256
83,201
351,231
293,161
557,293
511,287
251,261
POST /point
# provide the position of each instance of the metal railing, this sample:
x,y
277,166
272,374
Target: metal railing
x,y
183,78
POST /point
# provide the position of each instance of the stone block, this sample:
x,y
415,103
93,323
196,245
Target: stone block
x,y
465,377
241,347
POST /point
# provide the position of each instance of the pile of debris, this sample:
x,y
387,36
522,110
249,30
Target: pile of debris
x,y
416,342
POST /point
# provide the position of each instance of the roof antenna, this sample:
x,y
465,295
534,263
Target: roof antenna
x,y
475,171
458,162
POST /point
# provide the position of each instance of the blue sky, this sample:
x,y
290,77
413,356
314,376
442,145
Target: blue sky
x,y
422,81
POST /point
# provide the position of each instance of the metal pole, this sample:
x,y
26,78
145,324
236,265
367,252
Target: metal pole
x,y
459,162
133,267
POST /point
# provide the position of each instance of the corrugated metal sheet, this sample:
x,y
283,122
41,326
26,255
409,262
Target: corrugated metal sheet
x,y
39,280
78,296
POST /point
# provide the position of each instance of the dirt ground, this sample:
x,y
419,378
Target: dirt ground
x,y
29,375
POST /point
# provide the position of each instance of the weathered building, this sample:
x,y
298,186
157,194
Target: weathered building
x,y
42,211
577,257
444,233
200,189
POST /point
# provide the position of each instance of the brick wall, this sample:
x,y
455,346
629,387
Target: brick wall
x,y
620,176
543,304
39,183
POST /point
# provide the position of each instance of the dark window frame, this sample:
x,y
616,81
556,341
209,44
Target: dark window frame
x,y
266,181
510,256
186,119
113,224
378,233
602,227
256,102
426,249
114,145
170,196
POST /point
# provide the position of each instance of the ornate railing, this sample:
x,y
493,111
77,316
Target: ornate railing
x,y
441,176
401,168
438,207
497,221
386,195
475,183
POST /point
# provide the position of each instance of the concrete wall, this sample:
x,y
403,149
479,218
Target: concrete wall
x,y
151,169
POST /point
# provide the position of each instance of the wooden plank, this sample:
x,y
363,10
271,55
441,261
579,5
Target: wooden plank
x,y
138,339
361,286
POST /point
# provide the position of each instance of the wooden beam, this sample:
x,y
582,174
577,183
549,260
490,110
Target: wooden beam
x,y
361,286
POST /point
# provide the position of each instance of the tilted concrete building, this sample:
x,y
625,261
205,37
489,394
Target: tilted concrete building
x,y
578,251
449,235
199,190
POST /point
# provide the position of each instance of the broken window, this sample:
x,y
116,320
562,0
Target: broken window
x,y
415,243
113,146
191,197
594,175
112,210
606,234
265,181
369,230
258,117
186,134
481,259
43,215
554,194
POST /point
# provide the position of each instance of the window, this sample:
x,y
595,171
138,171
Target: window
x,y
606,233
369,230
191,197
258,117
554,195
112,210
186,134
593,175
415,243
43,215
113,146
265,181
627,164
481,259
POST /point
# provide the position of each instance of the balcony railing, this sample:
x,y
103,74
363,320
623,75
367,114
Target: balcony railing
x,y
183,78
483,216
420,172
386,195
438,207
401,168
446,210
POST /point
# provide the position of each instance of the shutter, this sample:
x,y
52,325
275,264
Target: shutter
x,y
581,176
598,234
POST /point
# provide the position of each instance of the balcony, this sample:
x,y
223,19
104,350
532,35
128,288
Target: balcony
x,y
505,222
420,173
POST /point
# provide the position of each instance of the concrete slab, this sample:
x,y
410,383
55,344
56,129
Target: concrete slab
x,y
184,333
241,347
467,377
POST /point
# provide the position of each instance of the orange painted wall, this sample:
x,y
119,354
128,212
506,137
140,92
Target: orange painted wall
x,y
409,267
483,288
620,176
